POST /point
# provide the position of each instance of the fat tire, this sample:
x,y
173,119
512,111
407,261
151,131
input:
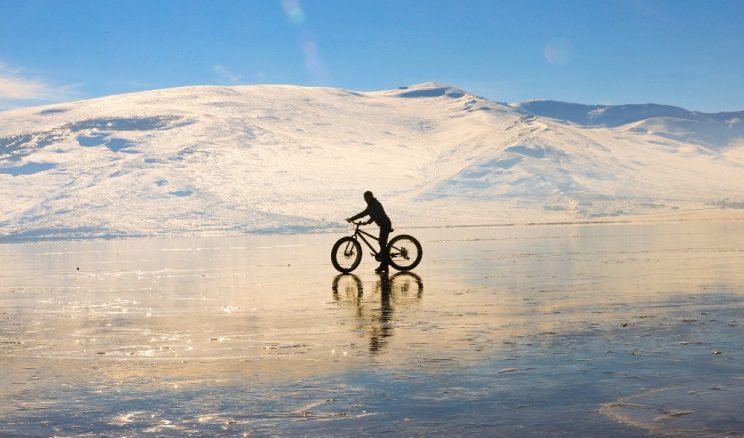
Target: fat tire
x,y
357,251
419,252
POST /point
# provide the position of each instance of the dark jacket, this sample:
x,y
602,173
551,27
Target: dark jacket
x,y
375,212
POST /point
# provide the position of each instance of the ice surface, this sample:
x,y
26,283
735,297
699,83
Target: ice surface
x,y
696,408
574,330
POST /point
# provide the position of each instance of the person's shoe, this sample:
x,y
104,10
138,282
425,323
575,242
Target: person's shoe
x,y
381,269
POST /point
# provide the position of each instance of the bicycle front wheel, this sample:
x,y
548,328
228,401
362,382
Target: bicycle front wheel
x,y
346,254
404,252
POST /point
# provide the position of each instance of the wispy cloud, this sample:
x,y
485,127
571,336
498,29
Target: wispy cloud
x,y
224,74
17,88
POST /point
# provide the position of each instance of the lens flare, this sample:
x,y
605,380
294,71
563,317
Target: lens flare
x,y
308,43
293,11
558,51
313,61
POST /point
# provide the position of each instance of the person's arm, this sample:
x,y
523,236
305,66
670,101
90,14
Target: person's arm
x,y
358,215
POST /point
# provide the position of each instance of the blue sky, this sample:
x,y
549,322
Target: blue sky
x,y
680,52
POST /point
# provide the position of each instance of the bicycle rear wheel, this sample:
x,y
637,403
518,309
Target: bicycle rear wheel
x,y
346,254
404,252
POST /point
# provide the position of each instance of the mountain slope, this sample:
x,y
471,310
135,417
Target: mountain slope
x,y
711,129
286,158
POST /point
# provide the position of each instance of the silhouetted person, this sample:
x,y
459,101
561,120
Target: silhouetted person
x,y
377,215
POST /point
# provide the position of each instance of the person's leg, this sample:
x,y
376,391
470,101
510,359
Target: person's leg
x,y
384,233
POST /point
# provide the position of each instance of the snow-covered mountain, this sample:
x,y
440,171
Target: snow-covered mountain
x,y
711,129
289,158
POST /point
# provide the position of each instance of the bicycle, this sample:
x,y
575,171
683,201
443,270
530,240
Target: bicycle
x,y
404,251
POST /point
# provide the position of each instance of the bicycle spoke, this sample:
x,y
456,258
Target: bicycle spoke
x,y
346,254
402,252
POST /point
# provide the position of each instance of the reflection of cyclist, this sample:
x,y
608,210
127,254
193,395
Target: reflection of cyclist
x,y
384,329
377,215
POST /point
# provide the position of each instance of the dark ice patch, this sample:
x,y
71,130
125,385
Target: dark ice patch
x,y
92,131
433,92
125,123
27,169
114,144
21,145
535,151
505,163
50,111
482,170
92,140
181,193
14,142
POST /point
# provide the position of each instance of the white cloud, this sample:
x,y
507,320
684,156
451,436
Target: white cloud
x,y
18,87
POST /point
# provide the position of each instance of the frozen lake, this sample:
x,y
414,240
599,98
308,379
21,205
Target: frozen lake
x,y
595,330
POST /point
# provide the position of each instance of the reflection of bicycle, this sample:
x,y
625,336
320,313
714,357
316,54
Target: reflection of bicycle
x,y
405,286
347,285
404,251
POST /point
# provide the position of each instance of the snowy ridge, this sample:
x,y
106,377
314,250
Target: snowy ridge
x,y
711,129
293,159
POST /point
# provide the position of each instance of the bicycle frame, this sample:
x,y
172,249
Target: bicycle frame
x,y
361,233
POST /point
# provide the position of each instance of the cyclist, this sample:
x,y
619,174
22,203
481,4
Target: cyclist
x,y
377,215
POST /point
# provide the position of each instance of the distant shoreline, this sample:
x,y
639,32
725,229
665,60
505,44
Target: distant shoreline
x,y
712,215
